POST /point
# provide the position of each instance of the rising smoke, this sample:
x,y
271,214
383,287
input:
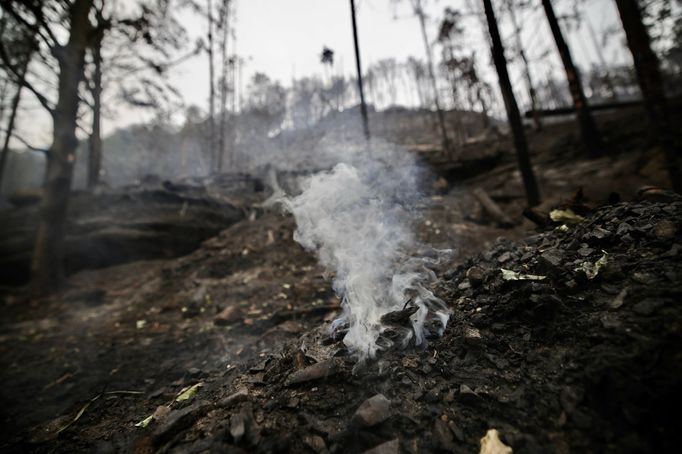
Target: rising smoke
x,y
359,217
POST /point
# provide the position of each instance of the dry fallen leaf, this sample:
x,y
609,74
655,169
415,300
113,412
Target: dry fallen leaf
x,y
491,444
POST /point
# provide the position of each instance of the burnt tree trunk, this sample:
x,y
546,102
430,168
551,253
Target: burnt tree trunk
x,y
358,67
12,118
651,84
526,65
47,265
588,129
513,114
419,11
95,142
211,92
224,21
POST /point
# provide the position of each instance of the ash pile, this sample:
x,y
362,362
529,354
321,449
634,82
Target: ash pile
x,y
569,341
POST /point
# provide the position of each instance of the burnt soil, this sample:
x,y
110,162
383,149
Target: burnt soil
x,y
561,362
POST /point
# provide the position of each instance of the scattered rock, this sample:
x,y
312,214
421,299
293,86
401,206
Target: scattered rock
x,y
390,447
648,306
317,371
316,443
371,412
476,275
226,317
442,436
239,396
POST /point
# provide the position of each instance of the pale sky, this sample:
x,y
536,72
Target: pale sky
x,y
284,38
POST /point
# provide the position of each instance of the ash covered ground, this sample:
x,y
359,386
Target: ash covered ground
x,y
213,337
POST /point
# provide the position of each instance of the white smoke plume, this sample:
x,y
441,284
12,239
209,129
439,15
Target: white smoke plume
x,y
358,217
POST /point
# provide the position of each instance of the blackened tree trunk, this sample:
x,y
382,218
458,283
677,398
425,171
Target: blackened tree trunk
x,y
588,129
225,61
95,142
651,84
526,66
12,117
358,67
419,11
48,255
211,92
513,114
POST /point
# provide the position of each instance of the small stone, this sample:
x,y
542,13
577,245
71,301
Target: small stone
x,y
373,411
442,436
316,443
585,251
643,278
464,285
551,259
476,275
623,229
504,257
227,316
619,299
648,306
665,230
390,447
236,397
319,370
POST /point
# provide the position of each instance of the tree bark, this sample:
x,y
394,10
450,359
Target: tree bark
x,y
223,82
588,129
47,265
358,67
211,92
526,66
520,143
95,142
651,84
419,11
12,118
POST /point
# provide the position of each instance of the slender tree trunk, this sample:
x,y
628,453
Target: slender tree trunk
x,y
223,83
602,61
588,128
520,143
651,84
418,10
95,142
530,86
484,108
358,68
459,127
12,118
211,92
47,265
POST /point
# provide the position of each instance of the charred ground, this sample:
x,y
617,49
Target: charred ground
x,y
566,363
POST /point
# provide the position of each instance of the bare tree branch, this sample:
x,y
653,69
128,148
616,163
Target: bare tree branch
x,y
22,80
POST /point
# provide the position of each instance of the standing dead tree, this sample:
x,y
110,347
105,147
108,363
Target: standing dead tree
x,y
48,253
22,43
651,84
225,88
513,114
588,129
358,68
520,51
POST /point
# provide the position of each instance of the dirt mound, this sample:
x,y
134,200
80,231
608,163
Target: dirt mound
x,y
568,341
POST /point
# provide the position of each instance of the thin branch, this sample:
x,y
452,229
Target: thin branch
x,y
22,80
26,144
50,39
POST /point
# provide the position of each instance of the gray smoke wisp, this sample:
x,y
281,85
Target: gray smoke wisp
x,y
358,218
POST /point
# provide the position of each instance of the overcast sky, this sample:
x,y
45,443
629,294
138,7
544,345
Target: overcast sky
x,y
284,39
